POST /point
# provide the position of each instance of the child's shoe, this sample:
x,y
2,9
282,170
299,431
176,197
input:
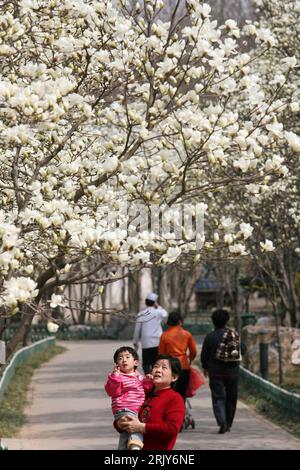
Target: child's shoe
x,y
135,445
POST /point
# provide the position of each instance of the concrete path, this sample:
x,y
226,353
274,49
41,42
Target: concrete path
x,y
70,410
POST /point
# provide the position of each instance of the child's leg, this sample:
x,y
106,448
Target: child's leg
x,y
135,441
123,441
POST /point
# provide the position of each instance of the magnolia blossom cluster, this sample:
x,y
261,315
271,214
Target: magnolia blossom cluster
x,y
277,209
17,290
282,19
108,103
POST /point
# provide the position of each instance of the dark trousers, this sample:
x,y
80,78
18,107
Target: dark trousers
x,y
224,391
182,382
149,356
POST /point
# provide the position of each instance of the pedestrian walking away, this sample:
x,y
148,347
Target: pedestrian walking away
x,y
220,358
126,386
161,416
178,342
148,330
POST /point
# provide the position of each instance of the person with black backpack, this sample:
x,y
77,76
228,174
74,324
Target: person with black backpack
x,y
220,358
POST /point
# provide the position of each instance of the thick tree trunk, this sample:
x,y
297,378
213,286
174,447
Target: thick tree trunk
x,y
164,289
4,323
280,359
25,324
134,292
123,291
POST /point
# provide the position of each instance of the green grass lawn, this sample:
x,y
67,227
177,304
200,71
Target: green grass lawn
x,y
14,401
269,410
291,381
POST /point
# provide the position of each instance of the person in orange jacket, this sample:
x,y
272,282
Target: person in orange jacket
x,y
178,342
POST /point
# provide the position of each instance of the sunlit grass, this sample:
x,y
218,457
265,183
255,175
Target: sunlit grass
x,y
267,408
14,401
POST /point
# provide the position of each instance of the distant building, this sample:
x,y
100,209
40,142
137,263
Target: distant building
x,y
207,290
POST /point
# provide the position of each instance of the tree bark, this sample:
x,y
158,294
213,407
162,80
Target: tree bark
x,y
25,323
134,292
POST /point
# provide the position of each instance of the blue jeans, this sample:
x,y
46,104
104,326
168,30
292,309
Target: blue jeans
x,y
125,437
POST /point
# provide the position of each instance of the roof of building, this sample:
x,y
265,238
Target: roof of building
x,y
207,283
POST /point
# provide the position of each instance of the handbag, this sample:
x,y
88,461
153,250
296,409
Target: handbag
x,y
196,380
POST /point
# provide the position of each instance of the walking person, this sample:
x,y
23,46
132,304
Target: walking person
x,y
220,358
148,330
126,386
178,342
161,416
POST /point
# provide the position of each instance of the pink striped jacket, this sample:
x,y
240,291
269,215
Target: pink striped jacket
x,y
127,391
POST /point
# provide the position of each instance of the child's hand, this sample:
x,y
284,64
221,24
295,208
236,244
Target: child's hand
x,y
149,377
116,370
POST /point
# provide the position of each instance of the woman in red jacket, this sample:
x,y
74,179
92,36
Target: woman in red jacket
x,y
162,414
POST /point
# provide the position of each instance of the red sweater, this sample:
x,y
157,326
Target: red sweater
x,y
163,415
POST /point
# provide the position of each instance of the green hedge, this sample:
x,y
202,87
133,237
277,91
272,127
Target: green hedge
x,y
288,400
66,332
40,331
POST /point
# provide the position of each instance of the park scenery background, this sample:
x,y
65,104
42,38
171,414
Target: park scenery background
x,y
149,146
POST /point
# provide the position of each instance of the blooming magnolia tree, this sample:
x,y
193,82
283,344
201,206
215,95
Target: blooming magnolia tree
x,y
101,104
272,212
275,214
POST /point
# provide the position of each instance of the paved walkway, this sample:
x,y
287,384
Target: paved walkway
x,y
70,410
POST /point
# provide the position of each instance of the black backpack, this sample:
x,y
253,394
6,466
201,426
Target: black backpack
x,y
229,349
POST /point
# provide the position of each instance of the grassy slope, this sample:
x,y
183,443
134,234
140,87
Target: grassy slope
x,y
265,407
14,401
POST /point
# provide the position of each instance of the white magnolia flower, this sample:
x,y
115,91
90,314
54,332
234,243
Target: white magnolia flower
x,y
293,141
246,230
252,189
141,258
243,164
295,107
227,224
238,249
52,327
216,237
275,128
290,62
110,164
274,163
267,245
228,238
56,301
265,35
29,269
19,289
171,255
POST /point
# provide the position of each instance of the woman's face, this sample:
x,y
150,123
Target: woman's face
x,y
162,374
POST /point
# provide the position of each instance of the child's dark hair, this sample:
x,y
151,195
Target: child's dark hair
x,y
220,317
174,364
149,303
131,351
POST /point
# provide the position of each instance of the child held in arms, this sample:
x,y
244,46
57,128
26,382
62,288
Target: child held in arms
x,y
127,387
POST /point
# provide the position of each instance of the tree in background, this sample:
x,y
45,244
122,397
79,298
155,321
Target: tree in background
x,y
100,106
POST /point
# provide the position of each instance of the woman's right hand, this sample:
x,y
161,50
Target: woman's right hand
x,y
123,421
131,424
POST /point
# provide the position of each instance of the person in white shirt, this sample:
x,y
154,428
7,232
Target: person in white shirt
x,y
148,330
